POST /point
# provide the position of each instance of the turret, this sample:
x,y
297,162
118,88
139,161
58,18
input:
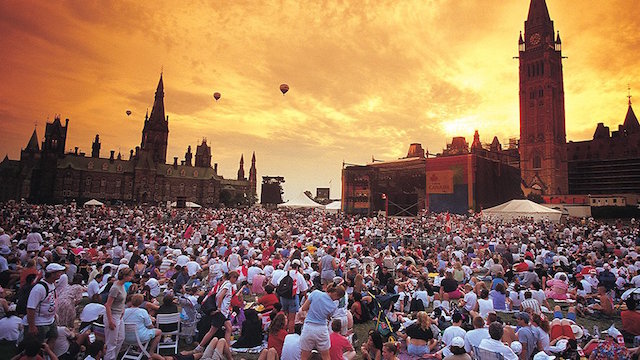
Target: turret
x,y
203,154
188,156
95,147
476,144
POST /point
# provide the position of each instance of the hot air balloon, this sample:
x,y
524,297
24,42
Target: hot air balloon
x,y
284,88
216,96
128,112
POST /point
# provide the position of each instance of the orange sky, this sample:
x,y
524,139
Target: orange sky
x,y
366,77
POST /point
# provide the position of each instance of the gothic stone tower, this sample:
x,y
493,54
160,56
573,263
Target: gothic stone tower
x,y
543,158
156,129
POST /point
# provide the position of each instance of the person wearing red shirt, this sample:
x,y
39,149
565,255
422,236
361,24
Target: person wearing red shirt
x,y
269,299
630,319
521,267
341,348
277,333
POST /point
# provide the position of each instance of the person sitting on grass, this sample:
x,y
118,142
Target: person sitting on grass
x,y
269,299
341,348
390,351
372,349
33,349
630,319
277,333
251,333
95,350
605,306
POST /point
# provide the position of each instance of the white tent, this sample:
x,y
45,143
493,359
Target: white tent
x,y
93,202
334,206
302,201
515,209
188,204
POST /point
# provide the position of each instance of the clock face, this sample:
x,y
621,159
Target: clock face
x,y
535,39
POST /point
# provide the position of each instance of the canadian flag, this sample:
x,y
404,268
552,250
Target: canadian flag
x,y
448,223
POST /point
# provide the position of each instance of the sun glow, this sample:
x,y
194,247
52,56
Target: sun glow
x,y
463,126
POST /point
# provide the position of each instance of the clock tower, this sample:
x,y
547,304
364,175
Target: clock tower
x,y
543,155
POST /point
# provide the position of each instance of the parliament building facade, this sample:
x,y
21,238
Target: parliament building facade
x,y
541,162
48,174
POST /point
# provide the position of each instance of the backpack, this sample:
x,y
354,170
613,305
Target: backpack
x,y
23,297
285,287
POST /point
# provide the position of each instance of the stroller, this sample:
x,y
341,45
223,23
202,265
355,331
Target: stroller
x,y
384,326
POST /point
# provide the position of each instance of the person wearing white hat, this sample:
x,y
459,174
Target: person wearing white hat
x,y
457,349
516,346
42,305
5,273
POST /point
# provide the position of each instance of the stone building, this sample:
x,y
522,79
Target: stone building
x,y
49,175
543,156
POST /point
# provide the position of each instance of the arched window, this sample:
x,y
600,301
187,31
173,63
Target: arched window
x,y
537,161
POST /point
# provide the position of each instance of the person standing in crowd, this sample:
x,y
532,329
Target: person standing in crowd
x,y
114,311
291,305
315,332
42,305
328,266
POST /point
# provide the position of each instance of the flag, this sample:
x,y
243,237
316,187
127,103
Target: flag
x,y
188,232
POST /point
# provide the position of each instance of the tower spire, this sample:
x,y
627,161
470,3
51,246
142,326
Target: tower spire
x,y
156,128
630,125
538,13
241,169
157,111
32,145
253,177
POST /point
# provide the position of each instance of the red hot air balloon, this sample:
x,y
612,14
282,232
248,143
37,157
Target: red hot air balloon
x,y
284,88
216,95
128,112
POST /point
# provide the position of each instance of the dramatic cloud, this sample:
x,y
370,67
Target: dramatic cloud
x,y
367,78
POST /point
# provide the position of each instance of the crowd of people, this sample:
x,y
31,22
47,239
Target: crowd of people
x,y
297,284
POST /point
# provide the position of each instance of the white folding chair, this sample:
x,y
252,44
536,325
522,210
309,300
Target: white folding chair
x,y
484,354
174,336
135,351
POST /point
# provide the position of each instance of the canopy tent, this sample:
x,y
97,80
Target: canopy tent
x,y
93,202
515,209
188,204
334,206
302,201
